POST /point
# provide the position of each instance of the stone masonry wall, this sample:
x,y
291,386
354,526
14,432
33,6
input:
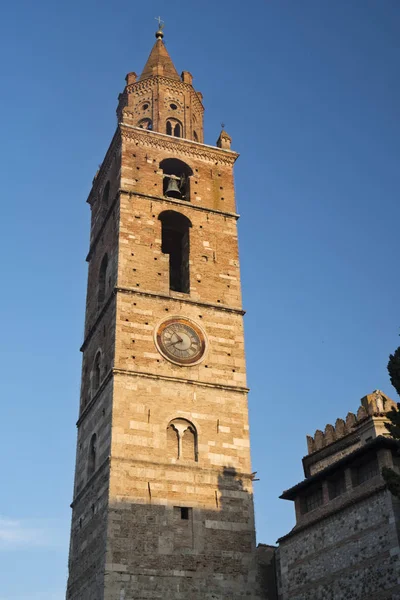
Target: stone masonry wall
x,y
350,555
149,555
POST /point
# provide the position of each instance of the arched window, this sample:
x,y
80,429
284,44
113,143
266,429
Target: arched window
x,y
145,124
182,440
102,283
172,442
106,194
175,242
176,178
92,455
177,130
96,373
189,450
174,127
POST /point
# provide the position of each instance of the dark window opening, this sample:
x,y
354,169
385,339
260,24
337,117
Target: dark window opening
x,y
101,292
106,194
174,127
92,455
185,513
312,500
175,242
177,130
195,136
96,373
336,486
365,471
145,106
173,106
176,178
146,124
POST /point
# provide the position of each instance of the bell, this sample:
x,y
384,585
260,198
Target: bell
x,y
173,190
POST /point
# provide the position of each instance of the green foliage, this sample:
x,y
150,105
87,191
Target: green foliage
x,y
394,369
393,426
392,478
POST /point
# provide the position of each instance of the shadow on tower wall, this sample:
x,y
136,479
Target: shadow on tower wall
x,y
189,539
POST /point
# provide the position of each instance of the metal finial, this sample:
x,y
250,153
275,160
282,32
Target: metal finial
x,y
223,125
159,32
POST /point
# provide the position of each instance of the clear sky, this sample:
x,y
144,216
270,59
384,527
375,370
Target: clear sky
x,y
309,91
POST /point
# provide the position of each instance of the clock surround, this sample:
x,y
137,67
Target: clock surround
x,y
181,341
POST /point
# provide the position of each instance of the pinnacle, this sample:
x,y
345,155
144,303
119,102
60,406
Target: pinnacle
x,y
159,62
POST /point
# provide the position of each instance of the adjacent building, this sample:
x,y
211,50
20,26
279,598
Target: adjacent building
x,y
345,544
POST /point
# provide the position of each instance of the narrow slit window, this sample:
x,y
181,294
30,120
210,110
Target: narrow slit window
x,y
177,130
92,455
96,373
106,194
101,292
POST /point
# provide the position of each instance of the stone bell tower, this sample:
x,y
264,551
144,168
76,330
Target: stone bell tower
x,y
162,504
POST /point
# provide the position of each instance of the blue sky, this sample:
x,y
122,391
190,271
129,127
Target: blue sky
x,y
309,92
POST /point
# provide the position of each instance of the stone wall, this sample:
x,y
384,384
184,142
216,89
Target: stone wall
x,y
350,552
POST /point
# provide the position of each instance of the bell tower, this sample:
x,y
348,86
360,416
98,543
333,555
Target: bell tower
x,y
162,504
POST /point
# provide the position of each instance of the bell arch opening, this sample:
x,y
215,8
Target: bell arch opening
x,y
175,242
176,178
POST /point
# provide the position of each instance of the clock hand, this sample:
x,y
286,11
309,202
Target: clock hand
x,y
177,341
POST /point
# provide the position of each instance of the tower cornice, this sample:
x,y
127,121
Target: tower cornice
x,y
177,146
156,376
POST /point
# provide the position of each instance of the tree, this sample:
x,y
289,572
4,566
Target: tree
x,y
392,478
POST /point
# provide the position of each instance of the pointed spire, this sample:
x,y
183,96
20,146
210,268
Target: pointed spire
x,y
159,61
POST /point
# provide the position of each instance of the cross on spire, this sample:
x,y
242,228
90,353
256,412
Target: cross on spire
x,y
159,32
160,23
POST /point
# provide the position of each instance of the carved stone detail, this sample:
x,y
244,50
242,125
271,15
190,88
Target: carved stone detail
x,y
176,145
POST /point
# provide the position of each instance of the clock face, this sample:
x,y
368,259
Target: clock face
x,y
181,341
